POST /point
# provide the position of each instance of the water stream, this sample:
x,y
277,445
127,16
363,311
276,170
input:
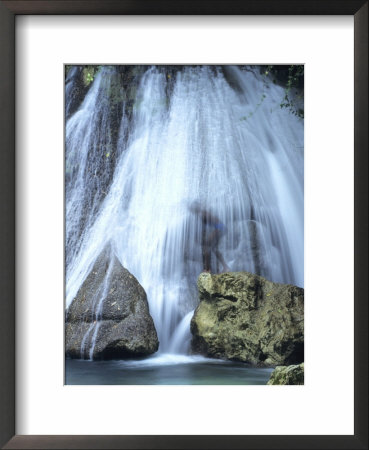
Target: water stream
x,y
212,135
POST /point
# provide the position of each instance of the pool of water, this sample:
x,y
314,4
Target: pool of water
x,y
164,369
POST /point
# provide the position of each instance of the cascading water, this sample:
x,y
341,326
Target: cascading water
x,y
213,135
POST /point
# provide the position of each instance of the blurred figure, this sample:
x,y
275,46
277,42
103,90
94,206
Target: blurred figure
x,y
212,231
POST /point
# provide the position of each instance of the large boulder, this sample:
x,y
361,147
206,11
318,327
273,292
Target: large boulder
x,y
287,375
244,317
109,317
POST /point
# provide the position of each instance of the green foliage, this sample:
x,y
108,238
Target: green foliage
x,y
88,75
250,114
294,74
292,77
88,72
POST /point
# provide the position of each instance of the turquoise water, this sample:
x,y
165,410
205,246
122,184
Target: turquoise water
x,y
164,370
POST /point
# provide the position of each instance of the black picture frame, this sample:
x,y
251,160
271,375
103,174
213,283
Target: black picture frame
x,y
8,11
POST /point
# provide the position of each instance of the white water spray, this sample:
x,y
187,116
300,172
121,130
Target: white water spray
x,y
191,137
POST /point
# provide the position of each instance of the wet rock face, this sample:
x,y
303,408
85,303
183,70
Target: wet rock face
x,y
109,317
244,317
287,375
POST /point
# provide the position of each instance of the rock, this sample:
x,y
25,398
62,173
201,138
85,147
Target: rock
x,y
288,375
110,314
244,317
75,90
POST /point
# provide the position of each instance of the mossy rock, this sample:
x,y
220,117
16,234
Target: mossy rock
x,y
244,317
287,375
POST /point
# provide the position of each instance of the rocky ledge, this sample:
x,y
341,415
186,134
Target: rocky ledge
x,y
244,317
287,375
109,317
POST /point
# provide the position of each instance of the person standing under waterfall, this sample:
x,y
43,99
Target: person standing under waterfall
x,y
212,231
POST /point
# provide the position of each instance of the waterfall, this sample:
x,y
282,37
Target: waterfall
x,y
214,136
